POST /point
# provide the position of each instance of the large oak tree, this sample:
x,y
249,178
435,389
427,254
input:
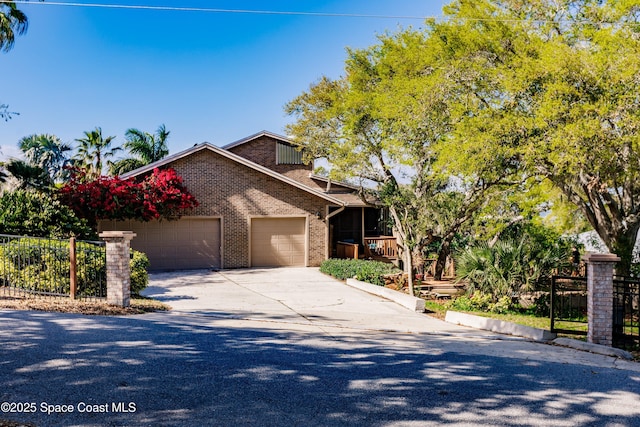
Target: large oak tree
x,y
556,87
383,122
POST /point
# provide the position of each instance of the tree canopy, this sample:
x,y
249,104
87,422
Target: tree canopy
x,y
555,88
144,147
508,94
385,121
93,150
13,22
45,164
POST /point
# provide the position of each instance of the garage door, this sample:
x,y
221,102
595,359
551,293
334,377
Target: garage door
x,y
278,242
187,243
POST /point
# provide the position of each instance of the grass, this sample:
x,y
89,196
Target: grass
x,y
139,305
439,309
436,308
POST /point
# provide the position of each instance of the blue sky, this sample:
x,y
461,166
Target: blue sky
x,y
215,77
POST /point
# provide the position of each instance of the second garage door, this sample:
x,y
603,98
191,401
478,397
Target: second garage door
x,y
187,243
277,242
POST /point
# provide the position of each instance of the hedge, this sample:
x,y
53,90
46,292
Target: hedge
x,y
42,265
360,269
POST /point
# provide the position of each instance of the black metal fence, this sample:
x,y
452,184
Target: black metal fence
x,y
42,267
568,305
626,313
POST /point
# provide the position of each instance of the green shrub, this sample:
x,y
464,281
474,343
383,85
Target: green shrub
x,y
475,302
43,265
482,302
364,270
503,305
30,213
541,305
40,265
513,265
139,276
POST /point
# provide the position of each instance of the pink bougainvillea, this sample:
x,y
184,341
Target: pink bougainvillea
x,y
159,195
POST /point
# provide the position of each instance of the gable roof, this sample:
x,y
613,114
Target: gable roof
x,y
256,136
241,160
321,178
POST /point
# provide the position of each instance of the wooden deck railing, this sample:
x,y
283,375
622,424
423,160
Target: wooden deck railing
x,y
381,247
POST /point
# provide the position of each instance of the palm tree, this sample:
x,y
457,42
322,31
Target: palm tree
x,y
29,176
511,265
145,148
47,152
93,150
12,22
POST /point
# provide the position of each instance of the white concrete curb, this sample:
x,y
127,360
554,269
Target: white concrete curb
x,y
412,303
499,326
535,334
593,348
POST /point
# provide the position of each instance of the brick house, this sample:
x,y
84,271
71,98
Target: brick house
x,y
260,205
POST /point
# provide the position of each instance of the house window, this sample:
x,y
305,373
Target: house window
x,y
287,154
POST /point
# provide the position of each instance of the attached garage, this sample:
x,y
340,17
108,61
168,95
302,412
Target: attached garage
x,y
279,242
187,243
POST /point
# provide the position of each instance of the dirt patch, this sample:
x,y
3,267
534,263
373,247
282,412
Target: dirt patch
x,y
62,305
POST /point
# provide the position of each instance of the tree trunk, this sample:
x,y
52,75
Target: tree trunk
x,y
408,268
443,253
404,246
607,217
623,245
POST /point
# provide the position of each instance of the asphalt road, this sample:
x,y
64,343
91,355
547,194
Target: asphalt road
x,y
243,366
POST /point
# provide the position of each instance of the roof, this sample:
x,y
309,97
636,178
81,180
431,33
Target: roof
x,y
331,182
332,198
255,136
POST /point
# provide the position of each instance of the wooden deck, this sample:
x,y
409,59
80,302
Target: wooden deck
x,y
428,288
436,289
381,248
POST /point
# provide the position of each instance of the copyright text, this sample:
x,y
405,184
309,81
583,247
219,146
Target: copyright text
x,y
57,408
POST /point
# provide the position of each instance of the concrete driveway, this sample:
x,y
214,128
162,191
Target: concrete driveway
x,y
302,296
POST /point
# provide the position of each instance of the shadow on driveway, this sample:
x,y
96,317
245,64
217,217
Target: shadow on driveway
x,y
194,371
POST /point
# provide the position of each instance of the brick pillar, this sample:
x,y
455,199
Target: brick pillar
x,y
600,297
118,270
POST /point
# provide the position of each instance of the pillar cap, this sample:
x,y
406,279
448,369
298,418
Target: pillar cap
x,y
117,235
593,257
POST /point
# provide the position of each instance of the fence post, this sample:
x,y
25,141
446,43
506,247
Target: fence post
x,y
600,297
72,268
118,271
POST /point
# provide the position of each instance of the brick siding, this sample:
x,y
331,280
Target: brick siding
x,y
262,151
235,192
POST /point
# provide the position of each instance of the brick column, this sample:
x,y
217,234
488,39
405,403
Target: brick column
x,y
118,270
600,297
